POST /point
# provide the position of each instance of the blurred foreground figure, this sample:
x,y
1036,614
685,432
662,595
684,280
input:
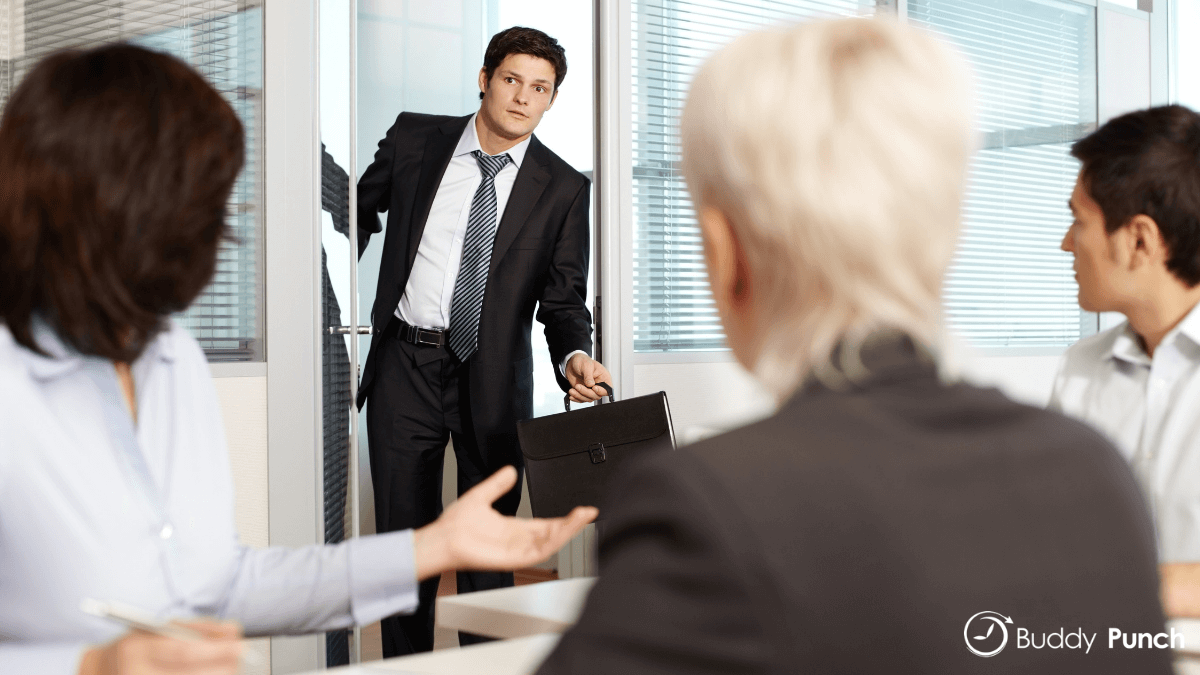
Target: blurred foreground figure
x,y
1136,244
883,521
115,168
1181,589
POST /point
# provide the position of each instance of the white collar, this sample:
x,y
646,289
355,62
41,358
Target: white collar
x,y
1128,347
1190,326
62,359
469,142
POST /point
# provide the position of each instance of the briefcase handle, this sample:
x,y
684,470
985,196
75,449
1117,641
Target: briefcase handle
x,y
609,389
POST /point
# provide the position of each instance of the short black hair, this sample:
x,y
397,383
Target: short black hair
x,y
1148,162
115,167
521,40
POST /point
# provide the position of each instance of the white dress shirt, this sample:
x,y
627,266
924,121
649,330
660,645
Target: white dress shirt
x,y
1150,409
426,299
430,287
93,507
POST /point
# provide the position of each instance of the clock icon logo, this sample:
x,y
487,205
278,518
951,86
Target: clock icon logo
x,y
980,633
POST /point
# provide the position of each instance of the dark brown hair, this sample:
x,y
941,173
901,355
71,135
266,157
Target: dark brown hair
x,y
531,41
115,167
1148,162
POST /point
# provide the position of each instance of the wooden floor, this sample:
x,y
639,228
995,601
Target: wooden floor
x,y
372,649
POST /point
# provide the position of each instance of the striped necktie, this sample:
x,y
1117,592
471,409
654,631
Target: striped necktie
x,y
476,259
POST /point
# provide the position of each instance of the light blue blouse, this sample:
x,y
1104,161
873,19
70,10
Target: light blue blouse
x,y
93,507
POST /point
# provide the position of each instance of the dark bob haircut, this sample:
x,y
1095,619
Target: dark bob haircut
x,y
531,41
1148,162
115,167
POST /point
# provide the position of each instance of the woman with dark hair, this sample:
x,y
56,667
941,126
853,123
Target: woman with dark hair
x,y
115,167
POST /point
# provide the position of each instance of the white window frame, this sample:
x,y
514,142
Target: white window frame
x,y
292,314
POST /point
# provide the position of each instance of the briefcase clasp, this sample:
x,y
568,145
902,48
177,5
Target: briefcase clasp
x,y
596,451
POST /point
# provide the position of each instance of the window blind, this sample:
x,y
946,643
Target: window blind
x,y
223,40
672,304
1035,89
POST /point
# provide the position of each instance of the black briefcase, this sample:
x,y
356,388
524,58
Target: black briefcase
x,y
571,456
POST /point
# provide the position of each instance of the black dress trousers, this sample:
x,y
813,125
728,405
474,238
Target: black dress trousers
x,y
420,400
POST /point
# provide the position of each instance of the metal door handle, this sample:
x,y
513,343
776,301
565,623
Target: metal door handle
x,y
346,330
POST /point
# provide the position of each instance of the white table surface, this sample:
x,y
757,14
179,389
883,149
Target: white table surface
x,y
547,607
521,656
1187,660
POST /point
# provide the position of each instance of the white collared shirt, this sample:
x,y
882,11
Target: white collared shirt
x,y
426,299
93,507
1150,409
430,287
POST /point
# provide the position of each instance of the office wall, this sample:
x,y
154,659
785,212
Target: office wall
x,y
1027,379
709,398
704,398
244,410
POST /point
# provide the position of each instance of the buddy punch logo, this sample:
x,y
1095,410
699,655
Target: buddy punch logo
x,y
980,638
987,634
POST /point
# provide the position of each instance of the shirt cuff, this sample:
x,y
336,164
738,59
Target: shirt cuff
x,y
383,576
562,367
47,659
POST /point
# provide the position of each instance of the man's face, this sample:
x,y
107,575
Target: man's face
x,y
1096,266
520,91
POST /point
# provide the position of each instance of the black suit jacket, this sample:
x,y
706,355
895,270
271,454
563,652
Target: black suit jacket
x,y
858,531
540,255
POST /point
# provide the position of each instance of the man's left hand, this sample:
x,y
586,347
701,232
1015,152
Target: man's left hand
x,y
583,374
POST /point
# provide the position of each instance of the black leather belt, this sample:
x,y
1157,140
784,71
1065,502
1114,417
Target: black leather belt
x,y
427,337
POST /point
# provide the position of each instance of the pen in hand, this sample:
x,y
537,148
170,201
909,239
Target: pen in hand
x,y
134,618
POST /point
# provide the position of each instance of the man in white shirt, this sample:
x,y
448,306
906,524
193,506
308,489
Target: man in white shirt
x,y
484,222
1136,242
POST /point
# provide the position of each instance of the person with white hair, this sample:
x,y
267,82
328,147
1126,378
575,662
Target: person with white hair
x,y
884,519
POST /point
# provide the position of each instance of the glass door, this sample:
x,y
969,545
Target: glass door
x,y
377,59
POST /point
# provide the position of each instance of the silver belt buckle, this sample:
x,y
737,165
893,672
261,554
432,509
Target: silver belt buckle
x,y
421,340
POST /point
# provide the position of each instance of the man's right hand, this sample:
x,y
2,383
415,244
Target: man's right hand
x,y
141,653
471,535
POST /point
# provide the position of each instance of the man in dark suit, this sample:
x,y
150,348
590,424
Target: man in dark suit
x,y
484,222
882,520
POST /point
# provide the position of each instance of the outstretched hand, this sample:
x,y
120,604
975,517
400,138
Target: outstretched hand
x,y
471,535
